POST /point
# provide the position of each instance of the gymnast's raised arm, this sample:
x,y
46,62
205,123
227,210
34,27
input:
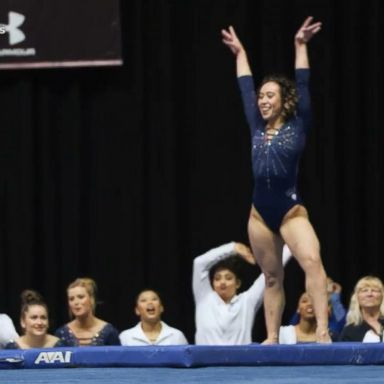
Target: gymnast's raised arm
x,y
231,40
302,37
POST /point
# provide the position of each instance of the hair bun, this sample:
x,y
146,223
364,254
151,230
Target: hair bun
x,y
30,296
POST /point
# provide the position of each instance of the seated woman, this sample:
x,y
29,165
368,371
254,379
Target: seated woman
x,y
151,330
85,329
305,330
365,317
7,330
224,317
35,324
337,312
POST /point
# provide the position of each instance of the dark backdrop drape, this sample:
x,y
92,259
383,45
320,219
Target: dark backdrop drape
x,y
126,174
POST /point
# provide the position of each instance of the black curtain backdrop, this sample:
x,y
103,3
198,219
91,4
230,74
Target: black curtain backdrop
x,y
126,174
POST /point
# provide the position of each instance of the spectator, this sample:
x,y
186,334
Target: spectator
x,y
85,328
365,317
224,317
34,323
151,330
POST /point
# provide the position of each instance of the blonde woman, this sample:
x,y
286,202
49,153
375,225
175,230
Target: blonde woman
x,y
85,329
365,317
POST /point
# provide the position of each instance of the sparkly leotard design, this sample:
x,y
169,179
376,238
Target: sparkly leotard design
x,y
108,335
275,161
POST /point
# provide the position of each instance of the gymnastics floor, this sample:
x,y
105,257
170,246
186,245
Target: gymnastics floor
x,y
208,375
299,364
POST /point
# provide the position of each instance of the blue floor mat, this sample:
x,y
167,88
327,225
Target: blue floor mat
x,y
209,375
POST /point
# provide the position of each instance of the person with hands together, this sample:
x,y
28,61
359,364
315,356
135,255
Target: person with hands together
x,y
223,316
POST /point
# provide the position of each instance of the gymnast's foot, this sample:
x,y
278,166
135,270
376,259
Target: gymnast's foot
x,y
270,341
322,336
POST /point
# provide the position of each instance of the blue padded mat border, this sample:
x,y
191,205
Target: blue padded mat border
x,y
196,356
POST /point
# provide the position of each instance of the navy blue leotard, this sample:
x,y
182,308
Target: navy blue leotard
x,y
275,162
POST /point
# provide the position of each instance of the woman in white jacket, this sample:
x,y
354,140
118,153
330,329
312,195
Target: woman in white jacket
x,y
222,316
7,330
151,330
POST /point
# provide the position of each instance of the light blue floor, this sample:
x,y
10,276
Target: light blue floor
x,y
211,375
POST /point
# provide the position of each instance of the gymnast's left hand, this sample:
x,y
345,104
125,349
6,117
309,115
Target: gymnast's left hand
x,y
307,31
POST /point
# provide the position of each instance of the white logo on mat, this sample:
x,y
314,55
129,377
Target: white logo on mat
x,y
53,357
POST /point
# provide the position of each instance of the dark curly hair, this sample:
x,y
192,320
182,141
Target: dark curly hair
x,y
288,92
231,263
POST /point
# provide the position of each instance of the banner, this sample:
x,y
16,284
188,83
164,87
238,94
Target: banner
x,y
59,33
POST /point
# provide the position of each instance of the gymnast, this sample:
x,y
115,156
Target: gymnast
x,y
305,329
34,323
279,119
151,330
336,310
85,328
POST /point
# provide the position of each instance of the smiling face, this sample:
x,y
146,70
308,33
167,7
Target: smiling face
x,y
149,307
370,296
305,307
269,101
225,283
35,320
80,303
